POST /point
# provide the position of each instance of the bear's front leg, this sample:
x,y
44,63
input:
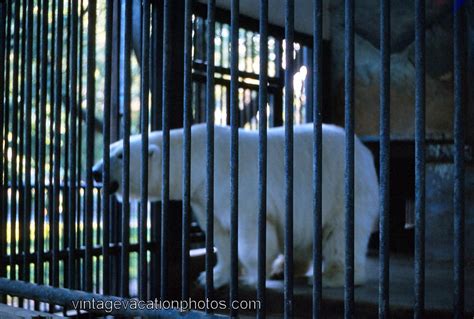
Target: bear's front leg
x,y
222,269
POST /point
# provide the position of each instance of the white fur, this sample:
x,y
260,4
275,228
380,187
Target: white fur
x,y
366,196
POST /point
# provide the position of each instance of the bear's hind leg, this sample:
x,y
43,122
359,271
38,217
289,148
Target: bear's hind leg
x,y
362,236
333,256
248,254
221,271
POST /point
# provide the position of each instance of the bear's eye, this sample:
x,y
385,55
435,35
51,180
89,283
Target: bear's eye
x,y
120,156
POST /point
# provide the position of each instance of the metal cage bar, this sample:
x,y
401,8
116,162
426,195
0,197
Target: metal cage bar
x,y
21,241
349,157
166,106
14,147
234,155
65,139
50,127
262,157
187,120
37,120
57,141
210,105
28,137
156,122
88,260
79,201
80,129
39,276
144,90
67,297
115,113
106,275
419,159
3,96
460,97
288,246
6,124
317,158
384,253
72,198
7,115
126,122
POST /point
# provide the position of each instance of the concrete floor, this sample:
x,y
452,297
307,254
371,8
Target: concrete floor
x,y
439,286
438,301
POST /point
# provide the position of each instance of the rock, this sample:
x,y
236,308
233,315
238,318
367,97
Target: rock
x,y
439,101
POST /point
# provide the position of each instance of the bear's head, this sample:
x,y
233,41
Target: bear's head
x,y
116,169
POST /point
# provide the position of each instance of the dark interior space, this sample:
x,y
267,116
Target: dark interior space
x,y
402,194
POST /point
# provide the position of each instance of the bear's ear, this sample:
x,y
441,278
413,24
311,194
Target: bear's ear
x,y
152,150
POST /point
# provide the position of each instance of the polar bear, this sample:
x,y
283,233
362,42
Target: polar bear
x,y
366,195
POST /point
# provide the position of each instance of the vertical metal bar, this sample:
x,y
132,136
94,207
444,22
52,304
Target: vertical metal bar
x,y
156,121
79,206
145,87
288,249
21,141
460,97
42,147
211,4
187,119
317,156
28,106
166,105
262,157
57,145
419,158
157,69
14,160
234,154
37,121
3,177
37,110
124,289
6,118
67,187
90,142
52,86
106,149
114,136
72,145
384,253
79,196
115,120
349,157
98,235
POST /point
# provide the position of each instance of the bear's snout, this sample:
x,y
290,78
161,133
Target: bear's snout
x,y
97,174
98,178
